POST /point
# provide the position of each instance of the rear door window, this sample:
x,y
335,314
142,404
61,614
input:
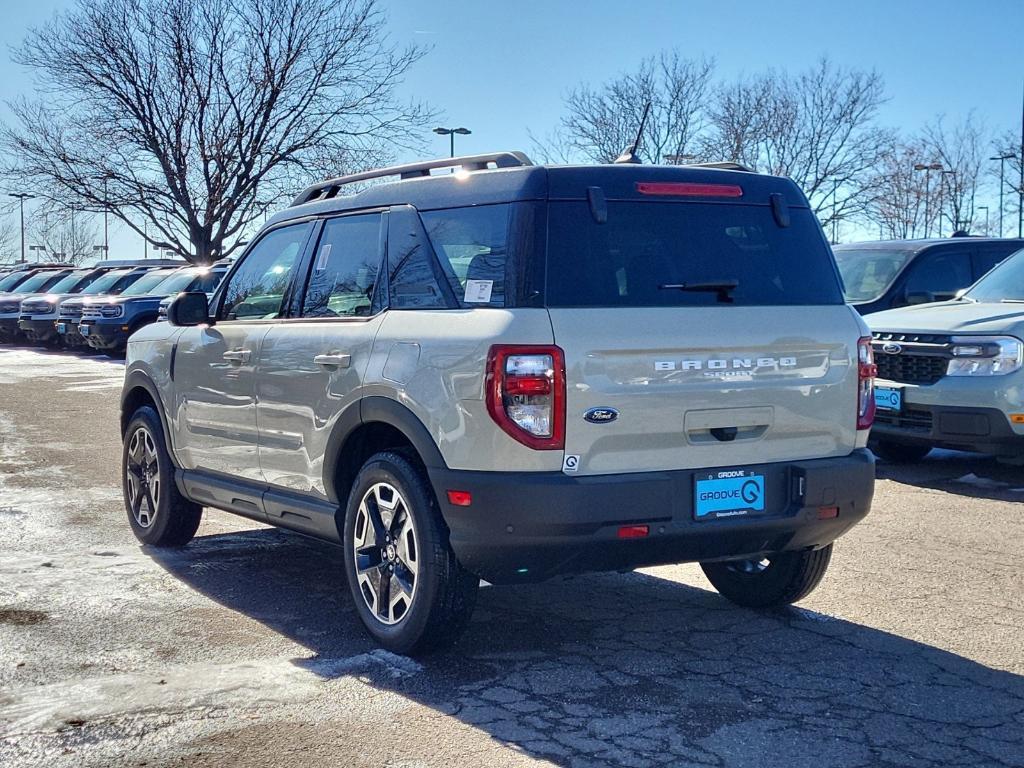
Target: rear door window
x,y
937,276
686,254
344,269
987,256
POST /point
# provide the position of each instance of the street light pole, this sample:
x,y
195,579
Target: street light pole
x,y
985,208
927,168
942,189
1002,165
450,132
22,197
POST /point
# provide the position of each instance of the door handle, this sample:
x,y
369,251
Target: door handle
x,y
333,360
237,355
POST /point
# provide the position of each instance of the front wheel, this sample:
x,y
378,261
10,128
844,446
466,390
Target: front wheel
x,y
410,591
157,512
776,579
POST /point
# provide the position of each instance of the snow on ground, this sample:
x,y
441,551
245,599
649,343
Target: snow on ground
x,y
74,372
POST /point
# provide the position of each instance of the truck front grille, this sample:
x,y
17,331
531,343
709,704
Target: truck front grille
x,y
70,313
92,312
911,368
912,358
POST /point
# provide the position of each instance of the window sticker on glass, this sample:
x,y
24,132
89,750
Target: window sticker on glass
x,y
325,254
478,291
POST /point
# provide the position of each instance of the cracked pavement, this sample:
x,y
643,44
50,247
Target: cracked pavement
x,y
244,649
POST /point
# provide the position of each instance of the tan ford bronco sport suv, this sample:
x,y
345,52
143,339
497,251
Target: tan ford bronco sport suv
x,y
513,371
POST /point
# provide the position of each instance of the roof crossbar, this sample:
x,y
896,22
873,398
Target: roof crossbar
x,y
326,189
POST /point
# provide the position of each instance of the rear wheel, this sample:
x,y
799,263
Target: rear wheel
x,y
410,591
158,514
776,579
900,453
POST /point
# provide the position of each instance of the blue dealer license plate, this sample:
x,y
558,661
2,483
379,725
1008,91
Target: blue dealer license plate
x,y
888,398
729,493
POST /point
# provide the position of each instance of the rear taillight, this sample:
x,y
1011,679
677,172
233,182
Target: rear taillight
x,y
526,394
866,372
686,189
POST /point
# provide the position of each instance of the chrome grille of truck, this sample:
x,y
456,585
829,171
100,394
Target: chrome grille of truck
x,y
911,358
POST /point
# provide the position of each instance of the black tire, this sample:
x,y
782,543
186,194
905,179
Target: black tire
x,y
900,453
173,520
777,579
443,594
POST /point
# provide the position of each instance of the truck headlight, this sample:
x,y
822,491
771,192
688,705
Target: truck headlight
x,y
112,310
985,356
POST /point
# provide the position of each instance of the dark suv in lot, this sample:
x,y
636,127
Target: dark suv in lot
x,y
896,273
108,321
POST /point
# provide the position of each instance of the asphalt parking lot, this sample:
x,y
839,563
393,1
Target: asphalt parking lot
x,y
244,650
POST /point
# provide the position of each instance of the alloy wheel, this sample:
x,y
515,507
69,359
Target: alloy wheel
x,y
143,475
386,553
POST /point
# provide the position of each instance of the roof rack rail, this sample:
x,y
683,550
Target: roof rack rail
x,y
326,189
725,166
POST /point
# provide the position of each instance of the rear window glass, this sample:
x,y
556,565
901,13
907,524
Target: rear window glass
x,y
868,272
472,247
686,254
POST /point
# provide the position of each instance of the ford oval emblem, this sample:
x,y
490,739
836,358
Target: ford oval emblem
x,y
601,415
892,348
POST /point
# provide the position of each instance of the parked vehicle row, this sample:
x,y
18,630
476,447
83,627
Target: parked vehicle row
x,y
97,307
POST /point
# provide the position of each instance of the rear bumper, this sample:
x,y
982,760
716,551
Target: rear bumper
x,y
525,526
986,430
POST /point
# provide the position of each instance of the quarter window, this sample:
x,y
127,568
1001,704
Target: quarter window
x,y
256,289
344,269
472,245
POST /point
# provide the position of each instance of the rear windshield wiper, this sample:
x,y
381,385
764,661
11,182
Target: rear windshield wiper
x,y
723,288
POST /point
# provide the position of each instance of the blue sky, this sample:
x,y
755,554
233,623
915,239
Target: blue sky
x,y
502,68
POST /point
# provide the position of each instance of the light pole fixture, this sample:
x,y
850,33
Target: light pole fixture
x,y
102,250
450,133
106,177
22,197
1002,169
39,251
985,209
927,168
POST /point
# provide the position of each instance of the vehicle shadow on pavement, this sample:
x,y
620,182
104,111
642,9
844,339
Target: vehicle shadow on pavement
x,y
631,669
975,475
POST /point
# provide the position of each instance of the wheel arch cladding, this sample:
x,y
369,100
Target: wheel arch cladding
x,y
139,390
375,424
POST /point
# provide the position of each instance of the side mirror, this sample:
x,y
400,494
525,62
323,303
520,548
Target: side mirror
x,y
188,309
960,294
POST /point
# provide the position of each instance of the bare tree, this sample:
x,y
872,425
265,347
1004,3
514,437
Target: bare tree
x,y
194,116
601,122
897,204
1008,145
10,244
817,127
959,148
67,237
